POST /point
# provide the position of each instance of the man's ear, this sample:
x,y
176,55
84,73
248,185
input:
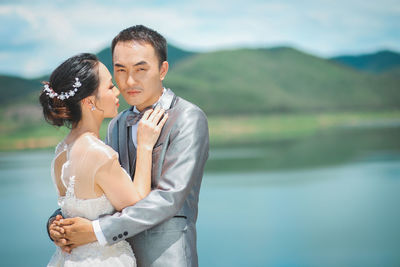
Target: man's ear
x,y
163,70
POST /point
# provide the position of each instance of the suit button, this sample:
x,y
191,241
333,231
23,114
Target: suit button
x,y
120,235
115,238
125,233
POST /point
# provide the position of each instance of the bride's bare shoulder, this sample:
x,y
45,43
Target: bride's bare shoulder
x,y
93,147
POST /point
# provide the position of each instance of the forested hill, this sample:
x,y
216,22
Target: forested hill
x,y
378,62
280,79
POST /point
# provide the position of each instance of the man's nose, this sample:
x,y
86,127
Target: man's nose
x,y
130,81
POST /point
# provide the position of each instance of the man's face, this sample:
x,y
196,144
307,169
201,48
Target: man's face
x,y
137,73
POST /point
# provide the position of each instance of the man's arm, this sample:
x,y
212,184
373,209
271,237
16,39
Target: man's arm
x,y
183,165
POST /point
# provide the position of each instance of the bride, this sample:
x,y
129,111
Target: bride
x,y
86,172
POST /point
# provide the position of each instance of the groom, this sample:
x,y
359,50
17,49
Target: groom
x,y
161,228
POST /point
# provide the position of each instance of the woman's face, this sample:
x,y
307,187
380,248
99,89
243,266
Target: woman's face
x,y
106,100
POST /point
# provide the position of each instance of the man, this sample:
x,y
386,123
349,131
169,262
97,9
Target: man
x,y
162,227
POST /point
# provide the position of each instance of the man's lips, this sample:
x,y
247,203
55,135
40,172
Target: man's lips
x,y
133,92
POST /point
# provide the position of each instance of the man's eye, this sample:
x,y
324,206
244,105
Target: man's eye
x,y
120,70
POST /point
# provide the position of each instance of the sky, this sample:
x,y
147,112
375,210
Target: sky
x,y
36,36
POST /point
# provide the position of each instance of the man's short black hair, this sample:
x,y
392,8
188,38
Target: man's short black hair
x,y
142,34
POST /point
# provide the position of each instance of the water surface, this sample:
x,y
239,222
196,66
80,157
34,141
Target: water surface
x,y
331,201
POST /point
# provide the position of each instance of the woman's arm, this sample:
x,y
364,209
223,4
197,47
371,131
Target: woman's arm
x,y
149,130
115,182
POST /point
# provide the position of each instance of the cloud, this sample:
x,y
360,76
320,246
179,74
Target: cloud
x,y
47,32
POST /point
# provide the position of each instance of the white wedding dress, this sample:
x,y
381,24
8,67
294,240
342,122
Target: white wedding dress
x,y
78,173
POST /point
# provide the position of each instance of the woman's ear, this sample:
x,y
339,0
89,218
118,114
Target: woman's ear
x,y
88,101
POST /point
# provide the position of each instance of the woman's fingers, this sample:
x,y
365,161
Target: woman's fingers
x,y
146,114
55,235
153,116
158,116
154,113
55,231
60,242
162,122
59,229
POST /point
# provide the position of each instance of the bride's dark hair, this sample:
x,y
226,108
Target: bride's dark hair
x,y
68,111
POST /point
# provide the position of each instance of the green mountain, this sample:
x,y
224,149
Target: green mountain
x,y
252,81
278,80
376,63
231,82
14,88
17,89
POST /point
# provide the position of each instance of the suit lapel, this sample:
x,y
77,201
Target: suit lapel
x,y
125,139
131,153
167,99
123,142
166,102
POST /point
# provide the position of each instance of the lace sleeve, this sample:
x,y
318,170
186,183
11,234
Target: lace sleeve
x,y
55,168
100,155
94,155
60,147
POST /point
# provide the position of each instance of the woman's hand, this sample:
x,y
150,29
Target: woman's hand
x,y
149,128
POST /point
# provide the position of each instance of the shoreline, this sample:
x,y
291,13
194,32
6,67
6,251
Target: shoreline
x,y
225,130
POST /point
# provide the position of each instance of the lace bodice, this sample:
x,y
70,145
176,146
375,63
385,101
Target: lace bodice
x,y
73,169
71,205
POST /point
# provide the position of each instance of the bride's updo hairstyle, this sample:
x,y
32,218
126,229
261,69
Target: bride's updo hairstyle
x,y
75,79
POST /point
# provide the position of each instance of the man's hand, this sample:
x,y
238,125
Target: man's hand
x,y
75,232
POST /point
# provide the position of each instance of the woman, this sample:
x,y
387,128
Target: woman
x,y
87,174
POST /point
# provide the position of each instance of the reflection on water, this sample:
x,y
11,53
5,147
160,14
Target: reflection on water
x,y
327,148
340,216
334,205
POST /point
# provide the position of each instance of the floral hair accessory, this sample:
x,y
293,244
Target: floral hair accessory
x,y
64,95
49,91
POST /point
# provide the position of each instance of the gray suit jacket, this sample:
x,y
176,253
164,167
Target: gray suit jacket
x,y
162,227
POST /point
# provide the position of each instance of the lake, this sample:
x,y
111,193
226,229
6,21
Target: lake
x,y
326,201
